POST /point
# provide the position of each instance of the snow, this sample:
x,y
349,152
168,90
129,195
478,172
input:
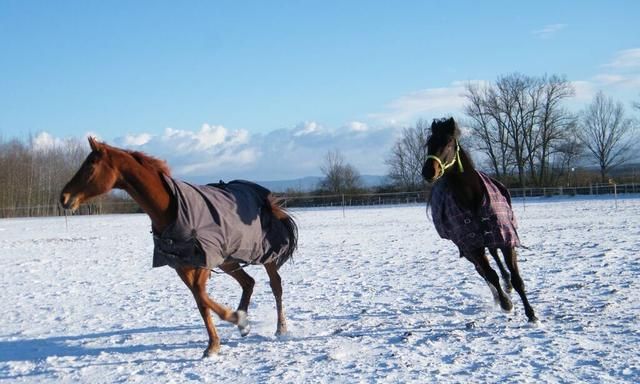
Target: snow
x,y
373,296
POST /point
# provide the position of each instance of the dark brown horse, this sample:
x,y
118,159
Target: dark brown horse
x,y
147,181
472,210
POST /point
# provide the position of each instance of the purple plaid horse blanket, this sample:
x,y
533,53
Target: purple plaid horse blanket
x,y
220,222
492,226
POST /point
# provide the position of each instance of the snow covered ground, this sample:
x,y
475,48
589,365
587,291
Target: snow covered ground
x,y
372,296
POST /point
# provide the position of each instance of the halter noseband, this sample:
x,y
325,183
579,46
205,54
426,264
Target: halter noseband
x,y
444,167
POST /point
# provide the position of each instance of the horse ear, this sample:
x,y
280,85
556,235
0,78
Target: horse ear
x,y
451,128
444,126
94,144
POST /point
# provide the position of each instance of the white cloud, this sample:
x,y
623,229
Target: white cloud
x,y
357,126
215,152
425,103
622,72
628,58
548,31
307,128
44,141
209,150
137,140
204,166
584,90
208,138
618,80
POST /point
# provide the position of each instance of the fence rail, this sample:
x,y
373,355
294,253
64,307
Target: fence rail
x,y
595,189
365,199
420,196
91,208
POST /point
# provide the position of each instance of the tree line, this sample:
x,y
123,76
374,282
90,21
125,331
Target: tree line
x,y
32,176
521,131
518,128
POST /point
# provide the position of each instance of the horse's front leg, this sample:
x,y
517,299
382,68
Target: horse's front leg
x,y
276,287
196,281
189,276
506,277
480,261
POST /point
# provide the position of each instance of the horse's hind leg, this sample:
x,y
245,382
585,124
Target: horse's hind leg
x,y
246,282
506,278
276,287
480,261
244,279
511,258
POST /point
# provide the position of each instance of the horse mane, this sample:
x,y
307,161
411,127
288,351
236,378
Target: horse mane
x,y
466,158
150,162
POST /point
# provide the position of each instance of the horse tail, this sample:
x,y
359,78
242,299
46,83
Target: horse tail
x,y
291,228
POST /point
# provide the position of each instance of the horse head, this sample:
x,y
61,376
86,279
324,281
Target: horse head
x,y
95,177
443,150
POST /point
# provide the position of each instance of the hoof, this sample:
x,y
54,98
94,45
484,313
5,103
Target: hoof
x,y
211,351
506,304
243,323
281,332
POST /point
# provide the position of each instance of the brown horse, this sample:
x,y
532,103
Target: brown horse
x,y
472,210
147,180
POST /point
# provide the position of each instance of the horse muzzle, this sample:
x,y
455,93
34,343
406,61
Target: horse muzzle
x,y
67,201
432,170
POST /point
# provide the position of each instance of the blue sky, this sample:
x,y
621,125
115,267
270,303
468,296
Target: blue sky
x,y
264,89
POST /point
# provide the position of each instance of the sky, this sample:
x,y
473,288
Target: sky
x,y
264,89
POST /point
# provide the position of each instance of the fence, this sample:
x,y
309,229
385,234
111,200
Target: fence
x,y
594,189
393,198
364,199
91,208
420,196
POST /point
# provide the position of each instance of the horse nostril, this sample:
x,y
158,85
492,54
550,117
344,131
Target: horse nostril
x,y
65,199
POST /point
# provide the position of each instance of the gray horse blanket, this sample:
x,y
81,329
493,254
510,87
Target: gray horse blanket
x,y
220,222
492,226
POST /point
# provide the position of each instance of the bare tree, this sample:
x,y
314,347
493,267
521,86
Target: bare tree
x,y
32,177
514,103
487,130
568,153
339,177
606,132
518,121
408,156
555,126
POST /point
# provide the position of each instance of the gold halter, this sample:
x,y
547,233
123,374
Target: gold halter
x,y
444,167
